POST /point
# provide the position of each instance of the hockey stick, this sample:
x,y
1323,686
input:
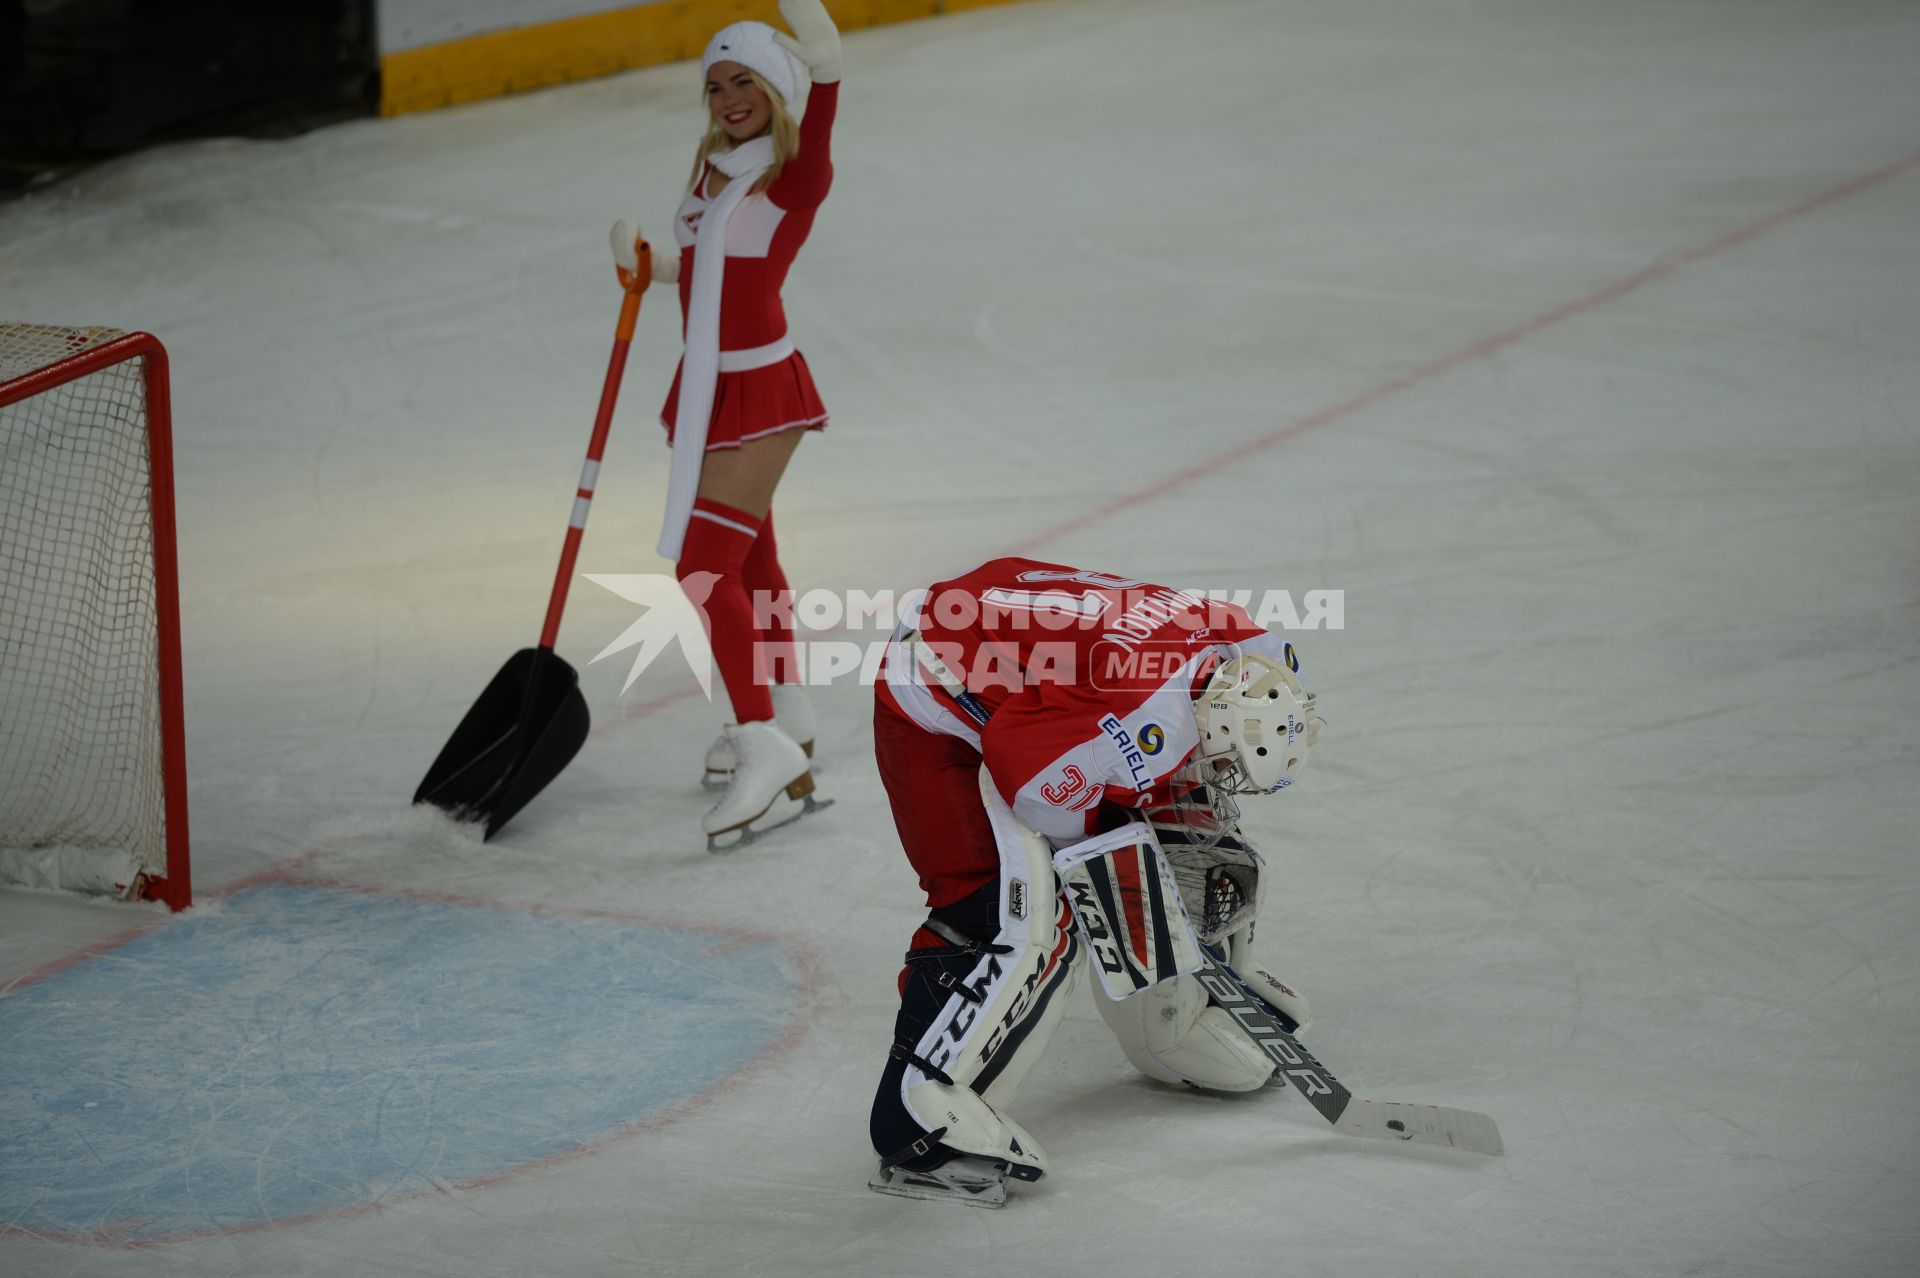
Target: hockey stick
x,y
1355,1115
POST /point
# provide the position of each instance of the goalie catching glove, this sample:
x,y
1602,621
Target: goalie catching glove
x,y
1223,880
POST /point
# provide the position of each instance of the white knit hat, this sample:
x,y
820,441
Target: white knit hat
x,y
751,44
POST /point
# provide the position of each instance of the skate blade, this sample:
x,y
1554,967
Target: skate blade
x,y
778,814
969,1191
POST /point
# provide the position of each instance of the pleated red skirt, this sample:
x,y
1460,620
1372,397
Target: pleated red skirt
x,y
758,402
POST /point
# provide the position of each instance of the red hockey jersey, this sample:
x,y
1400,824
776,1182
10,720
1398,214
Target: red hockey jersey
x,y
1075,686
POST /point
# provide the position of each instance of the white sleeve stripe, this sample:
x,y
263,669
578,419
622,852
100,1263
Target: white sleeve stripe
x,y
918,703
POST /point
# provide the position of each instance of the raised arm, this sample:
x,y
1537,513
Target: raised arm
x,y
808,176
816,42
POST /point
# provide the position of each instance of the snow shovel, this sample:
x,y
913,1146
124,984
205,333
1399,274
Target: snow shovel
x,y
531,720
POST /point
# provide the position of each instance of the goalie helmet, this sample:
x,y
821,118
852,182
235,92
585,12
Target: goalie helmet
x,y
1256,725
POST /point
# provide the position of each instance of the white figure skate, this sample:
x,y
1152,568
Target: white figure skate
x,y
792,710
770,786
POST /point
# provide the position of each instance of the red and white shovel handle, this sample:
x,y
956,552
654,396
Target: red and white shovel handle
x,y
634,283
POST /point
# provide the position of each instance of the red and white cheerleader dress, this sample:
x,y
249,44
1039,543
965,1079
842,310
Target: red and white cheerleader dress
x,y
763,386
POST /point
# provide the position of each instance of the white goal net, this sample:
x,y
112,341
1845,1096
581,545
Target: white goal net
x,y
92,775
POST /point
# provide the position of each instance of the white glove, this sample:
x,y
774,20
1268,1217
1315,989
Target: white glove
x,y
666,262
815,40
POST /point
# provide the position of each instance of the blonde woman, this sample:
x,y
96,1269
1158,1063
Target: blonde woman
x,y
743,396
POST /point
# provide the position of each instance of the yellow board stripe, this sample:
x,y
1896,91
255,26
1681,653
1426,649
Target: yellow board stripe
x,y
512,61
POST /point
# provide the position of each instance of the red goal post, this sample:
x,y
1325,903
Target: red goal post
x,y
93,781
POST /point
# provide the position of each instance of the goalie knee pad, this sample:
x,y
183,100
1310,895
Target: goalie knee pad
x,y
979,1002
1174,1034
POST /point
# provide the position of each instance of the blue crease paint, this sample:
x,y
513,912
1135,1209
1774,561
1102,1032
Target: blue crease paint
x,y
304,1050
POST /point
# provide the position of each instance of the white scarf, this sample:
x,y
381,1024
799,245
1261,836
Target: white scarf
x,y
700,368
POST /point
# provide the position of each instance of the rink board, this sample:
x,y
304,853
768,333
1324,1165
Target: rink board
x,y
299,1050
489,50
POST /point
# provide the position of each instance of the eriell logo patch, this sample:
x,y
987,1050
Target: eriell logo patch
x,y
1130,752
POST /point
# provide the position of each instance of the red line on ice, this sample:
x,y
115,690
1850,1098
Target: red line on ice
x,y
1486,346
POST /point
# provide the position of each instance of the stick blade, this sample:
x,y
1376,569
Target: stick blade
x,y
1462,1129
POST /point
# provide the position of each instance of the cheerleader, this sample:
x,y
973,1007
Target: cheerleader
x,y
743,396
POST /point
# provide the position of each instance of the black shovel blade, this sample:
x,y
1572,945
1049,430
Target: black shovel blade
x,y
525,728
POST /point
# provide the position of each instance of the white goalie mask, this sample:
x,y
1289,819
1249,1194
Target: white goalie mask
x,y
1256,725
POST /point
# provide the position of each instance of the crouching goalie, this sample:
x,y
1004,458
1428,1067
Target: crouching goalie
x,y
1061,749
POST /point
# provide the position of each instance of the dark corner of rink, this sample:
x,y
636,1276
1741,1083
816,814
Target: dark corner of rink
x,y
84,80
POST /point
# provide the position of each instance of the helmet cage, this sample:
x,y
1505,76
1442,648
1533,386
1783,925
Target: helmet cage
x,y
1201,833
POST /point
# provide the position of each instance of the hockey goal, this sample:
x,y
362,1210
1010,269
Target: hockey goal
x,y
93,780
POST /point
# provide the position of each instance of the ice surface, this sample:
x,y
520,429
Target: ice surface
x,y
1575,342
